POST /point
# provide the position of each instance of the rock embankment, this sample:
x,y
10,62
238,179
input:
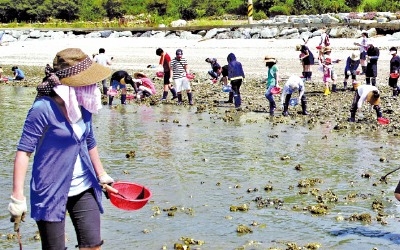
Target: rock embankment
x,y
344,25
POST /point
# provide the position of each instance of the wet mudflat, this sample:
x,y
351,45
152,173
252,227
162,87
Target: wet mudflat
x,y
223,179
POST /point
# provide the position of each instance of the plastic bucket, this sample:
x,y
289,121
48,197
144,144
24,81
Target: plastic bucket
x,y
160,74
130,96
130,191
394,75
276,90
112,92
383,121
293,102
190,76
226,88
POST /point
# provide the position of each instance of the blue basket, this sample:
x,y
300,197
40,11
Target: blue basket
x,y
293,102
226,88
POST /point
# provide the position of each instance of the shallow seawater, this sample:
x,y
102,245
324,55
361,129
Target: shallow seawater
x,y
203,165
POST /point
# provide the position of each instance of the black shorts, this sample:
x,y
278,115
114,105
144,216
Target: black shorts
x,y
393,82
167,76
363,55
372,70
306,61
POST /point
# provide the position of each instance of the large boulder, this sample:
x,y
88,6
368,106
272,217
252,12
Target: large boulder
x,y
178,23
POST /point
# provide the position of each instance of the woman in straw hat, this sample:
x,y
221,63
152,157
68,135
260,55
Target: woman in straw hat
x,y
365,93
66,169
394,70
272,81
352,63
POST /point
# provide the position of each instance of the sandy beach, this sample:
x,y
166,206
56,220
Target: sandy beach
x,y
135,54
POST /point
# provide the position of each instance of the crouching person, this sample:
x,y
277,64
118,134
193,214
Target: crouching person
x,y
369,94
294,83
143,86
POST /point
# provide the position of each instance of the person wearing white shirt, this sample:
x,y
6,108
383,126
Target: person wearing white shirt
x,y
104,60
363,46
294,83
365,93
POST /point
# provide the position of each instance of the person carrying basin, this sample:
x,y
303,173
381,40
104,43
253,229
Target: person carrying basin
x,y
293,84
365,93
272,81
67,172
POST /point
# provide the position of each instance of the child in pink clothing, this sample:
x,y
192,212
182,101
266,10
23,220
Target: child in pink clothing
x,y
143,86
327,74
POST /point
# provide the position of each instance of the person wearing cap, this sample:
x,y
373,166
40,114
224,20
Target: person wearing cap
x,y
307,59
67,172
394,70
17,73
272,81
293,84
179,70
119,79
164,62
102,59
363,46
352,63
372,64
215,67
236,76
365,93
143,86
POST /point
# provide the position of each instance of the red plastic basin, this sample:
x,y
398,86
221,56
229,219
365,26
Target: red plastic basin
x,y
130,191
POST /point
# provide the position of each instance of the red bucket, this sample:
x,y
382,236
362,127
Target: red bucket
x,y
190,76
160,74
319,47
276,90
383,121
394,75
128,196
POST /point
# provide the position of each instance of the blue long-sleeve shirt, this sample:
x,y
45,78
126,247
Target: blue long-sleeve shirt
x,y
49,133
351,65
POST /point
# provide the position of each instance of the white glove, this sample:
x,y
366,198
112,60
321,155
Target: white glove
x,y
105,178
348,72
17,207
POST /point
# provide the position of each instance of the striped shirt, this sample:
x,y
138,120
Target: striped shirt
x,y
178,68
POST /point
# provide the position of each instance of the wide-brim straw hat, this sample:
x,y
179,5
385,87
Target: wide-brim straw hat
x,y
355,56
327,49
373,100
76,69
269,58
298,47
137,74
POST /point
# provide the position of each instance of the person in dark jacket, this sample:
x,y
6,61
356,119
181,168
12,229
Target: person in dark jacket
x,y
372,66
307,59
120,79
236,77
394,70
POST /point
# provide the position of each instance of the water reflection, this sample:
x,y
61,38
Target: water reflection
x,y
202,164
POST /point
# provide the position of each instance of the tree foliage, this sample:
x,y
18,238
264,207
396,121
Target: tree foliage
x,y
92,10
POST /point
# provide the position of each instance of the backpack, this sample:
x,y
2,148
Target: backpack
x,y
326,41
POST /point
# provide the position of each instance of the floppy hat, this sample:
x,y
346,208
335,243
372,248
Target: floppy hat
x,y
327,48
355,56
74,68
365,32
373,100
269,58
136,74
298,47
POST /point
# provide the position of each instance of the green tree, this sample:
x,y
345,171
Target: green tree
x,y
301,6
65,9
113,9
91,10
